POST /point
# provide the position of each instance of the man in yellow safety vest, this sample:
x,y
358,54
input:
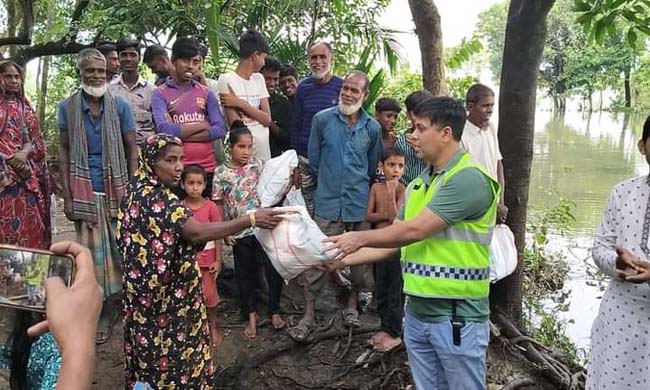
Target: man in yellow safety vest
x,y
444,231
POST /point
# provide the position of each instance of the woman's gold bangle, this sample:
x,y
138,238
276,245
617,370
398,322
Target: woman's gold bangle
x,y
252,217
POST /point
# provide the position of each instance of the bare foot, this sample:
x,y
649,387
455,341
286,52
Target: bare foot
x,y
278,322
216,336
251,328
385,342
373,340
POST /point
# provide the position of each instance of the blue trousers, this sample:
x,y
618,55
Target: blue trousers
x,y
437,364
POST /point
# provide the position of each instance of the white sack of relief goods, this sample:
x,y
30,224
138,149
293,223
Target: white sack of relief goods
x,y
503,253
276,178
295,244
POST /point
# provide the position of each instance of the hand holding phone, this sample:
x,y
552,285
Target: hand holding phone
x,y
72,314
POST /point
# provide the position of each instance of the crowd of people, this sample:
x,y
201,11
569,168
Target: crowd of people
x,y
153,196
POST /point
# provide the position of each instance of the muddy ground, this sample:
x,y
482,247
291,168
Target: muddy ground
x,y
333,358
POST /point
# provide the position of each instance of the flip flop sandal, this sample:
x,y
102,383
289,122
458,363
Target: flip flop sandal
x,y
301,331
351,318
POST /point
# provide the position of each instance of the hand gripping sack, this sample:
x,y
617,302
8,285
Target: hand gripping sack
x,y
503,253
295,244
276,178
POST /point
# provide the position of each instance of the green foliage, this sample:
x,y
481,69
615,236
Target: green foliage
x,y
544,274
571,64
600,18
544,326
456,60
545,270
640,81
456,57
491,28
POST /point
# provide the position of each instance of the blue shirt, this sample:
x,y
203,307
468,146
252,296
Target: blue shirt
x,y
310,98
345,160
94,133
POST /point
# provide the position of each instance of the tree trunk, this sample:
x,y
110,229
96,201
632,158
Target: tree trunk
x,y
429,31
12,24
628,93
43,87
526,28
600,98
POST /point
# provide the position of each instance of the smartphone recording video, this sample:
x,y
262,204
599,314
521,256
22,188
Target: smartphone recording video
x,y
23,272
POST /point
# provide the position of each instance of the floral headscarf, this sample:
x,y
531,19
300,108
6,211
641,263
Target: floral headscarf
x,y
149,152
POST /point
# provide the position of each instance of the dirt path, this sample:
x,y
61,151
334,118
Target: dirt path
x,y
338,360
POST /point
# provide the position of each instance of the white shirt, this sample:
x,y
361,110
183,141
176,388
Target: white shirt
x,y
620,335
483,146
252,91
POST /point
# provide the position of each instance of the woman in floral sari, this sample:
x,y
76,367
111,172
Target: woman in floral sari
x,y
24,178
166,336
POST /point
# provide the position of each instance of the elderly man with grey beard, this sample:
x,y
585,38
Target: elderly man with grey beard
x,y
344,139
97,156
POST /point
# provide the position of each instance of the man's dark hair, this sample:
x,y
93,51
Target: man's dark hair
x,y
193,169
272,64
646,130
126,43
251,41
154,52
203,50
186,47
390,151
443,111
288,70
106,48
476,92
387,104
415,98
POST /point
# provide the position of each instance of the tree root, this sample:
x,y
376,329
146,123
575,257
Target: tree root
x,y
347,345
556,371
279,348
519,382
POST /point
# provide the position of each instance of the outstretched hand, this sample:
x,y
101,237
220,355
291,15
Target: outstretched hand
x,y
344,244
268,218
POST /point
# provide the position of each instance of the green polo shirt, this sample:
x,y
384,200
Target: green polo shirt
x,y
466,196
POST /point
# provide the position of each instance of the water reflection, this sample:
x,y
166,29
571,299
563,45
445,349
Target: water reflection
x,y
581,157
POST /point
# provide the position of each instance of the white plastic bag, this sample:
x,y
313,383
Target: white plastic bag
x,y
295,244
276,178
294,198
503,253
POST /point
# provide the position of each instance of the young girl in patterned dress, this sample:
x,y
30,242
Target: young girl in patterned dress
x,y
235,190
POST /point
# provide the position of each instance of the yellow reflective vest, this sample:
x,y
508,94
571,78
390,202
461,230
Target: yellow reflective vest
x,y
454,263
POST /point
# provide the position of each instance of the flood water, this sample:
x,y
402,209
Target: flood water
x,y
581,158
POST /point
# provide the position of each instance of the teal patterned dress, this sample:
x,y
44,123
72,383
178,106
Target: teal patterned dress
x,y
44,362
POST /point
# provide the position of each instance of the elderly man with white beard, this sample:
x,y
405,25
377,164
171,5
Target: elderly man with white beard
x,y
315,93
97,156
344,149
